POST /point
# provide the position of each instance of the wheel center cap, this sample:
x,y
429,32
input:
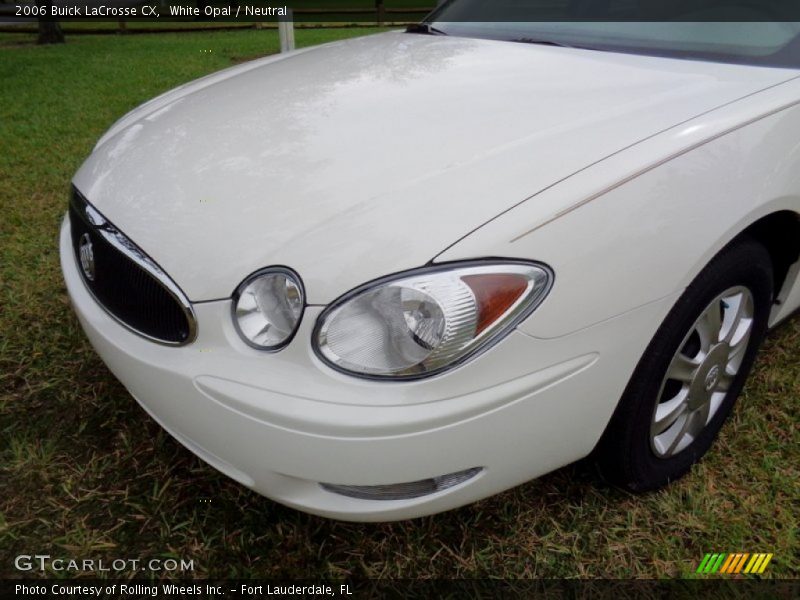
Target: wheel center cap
x,y
709,376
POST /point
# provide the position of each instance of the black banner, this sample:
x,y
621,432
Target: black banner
x,y
749,589
406,11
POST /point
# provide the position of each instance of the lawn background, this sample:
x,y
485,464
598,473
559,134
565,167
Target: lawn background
x,y
85,473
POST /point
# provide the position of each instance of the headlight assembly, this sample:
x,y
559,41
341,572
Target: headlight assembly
x,y
420,323
267,308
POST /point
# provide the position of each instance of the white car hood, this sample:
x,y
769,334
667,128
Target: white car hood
x,y
358,159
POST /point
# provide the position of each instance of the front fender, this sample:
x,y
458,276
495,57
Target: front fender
x,y
640,225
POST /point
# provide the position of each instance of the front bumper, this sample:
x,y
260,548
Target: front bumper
x,y
283,423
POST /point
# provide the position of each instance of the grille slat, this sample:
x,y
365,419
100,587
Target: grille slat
x,y
126,282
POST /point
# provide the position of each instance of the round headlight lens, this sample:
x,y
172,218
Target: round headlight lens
x,y
419,324
267,308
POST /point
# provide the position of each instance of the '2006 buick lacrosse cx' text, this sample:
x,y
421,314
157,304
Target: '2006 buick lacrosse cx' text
x,y
390,276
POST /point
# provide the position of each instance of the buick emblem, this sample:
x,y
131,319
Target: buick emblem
x,y
86,254
712,379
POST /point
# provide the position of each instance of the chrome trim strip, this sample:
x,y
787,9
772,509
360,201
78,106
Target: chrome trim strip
x,y
404,491
121,242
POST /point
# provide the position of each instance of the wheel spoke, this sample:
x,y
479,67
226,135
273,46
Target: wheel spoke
x,y
738,349
681,433
725,380
738,319
709,327
682,368
714,404
668,412
699,419
742,332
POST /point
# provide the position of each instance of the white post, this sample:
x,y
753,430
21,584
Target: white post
x,y
286,32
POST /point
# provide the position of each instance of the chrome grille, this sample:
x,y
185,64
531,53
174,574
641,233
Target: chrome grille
x,y
126,282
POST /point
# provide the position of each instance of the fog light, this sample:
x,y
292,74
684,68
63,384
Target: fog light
x,y
267,308
403,491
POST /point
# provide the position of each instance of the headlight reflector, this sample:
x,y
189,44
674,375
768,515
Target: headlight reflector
x,y
267,308
421,323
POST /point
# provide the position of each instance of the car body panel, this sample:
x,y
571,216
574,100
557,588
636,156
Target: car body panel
x,y
789,298
393,141
642,224
298,423
624,174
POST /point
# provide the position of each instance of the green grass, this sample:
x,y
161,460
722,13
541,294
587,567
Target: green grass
x,y
85,473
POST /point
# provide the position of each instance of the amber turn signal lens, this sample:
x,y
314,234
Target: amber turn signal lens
x,y
494,293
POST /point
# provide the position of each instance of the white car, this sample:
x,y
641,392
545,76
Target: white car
x,y
390,276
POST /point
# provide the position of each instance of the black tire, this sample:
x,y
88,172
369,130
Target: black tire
x,y
625,454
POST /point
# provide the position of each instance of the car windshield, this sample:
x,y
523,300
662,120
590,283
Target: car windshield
x,y
736,31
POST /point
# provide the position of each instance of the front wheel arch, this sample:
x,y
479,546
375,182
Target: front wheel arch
x,y
779,233
624,454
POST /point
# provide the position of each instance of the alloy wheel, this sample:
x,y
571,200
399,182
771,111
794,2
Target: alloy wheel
x,y
701,372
